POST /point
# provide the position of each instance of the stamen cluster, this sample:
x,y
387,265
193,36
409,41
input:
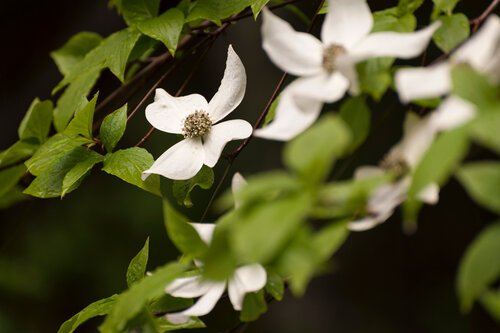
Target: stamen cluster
x,y
330,54
196,125
396,163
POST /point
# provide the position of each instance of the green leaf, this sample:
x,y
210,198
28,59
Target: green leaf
x,y
166,28
216,10
312,154
329,239
272,111
391,20
445,6
275,285
113,127
161,324
75,50
375,76
137,267
254,305
346,198
257,6
307,253
53,151
438,163
182,188
279,219
453,31
133,301
19,151
73,99
53,161
13,196
473,86
484,130
82,122
440,160
482,181
324,8
96,309
491,301
113,53
36,122
267,186
76,174
480,266
128,165
9,178
181,233
356,114
408,6
136,11
298,261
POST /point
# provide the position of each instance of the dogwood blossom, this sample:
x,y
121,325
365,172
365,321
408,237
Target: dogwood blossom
x,y
481,52
245,279
419,133
327,68
199,122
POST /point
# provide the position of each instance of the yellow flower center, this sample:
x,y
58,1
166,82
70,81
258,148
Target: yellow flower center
x,y
330,55
196,125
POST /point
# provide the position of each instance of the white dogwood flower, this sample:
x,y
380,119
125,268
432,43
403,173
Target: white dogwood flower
x,y
327,68
245,279
419,133
481,52
199,122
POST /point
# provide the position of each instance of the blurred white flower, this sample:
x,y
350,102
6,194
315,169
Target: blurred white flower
x,y
245,279
481,52
327,67
198,120
419,134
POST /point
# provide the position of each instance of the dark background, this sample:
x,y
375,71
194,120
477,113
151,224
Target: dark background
x,y
57,256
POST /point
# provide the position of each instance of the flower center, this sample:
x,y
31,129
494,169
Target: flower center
x,y
330,54
396,163
196,125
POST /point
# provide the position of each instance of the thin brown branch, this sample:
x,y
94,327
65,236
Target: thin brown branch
x,y
475,23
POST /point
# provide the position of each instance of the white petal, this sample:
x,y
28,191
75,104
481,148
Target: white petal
x,y
188,287
425,82
387,197
394,44
177,318
237,184
324,87
419,135
492,68
231,90
167,113
295,52
221,134
204,230
246,279
452,112
347,67
206,302
479,49
347,22
181,161
293,115
364,224
365,172
429,194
